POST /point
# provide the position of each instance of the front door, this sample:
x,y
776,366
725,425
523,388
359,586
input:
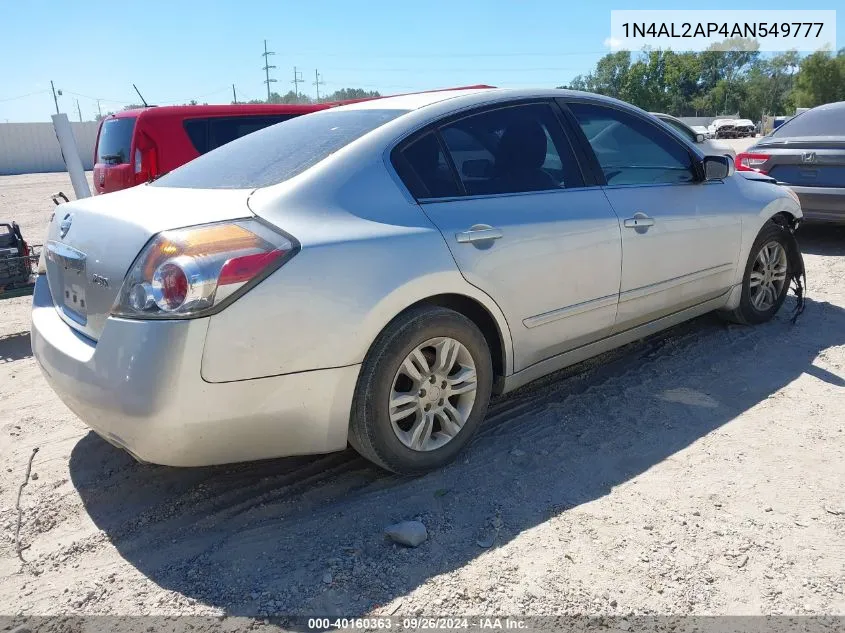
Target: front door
x,y
680,236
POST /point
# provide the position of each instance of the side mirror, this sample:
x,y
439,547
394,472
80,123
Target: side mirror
x,y
717,167
699,138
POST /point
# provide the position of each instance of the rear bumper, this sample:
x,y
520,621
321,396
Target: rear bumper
x,y
822,204
140,388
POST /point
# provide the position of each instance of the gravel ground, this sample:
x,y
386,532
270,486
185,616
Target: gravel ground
x,y
700,472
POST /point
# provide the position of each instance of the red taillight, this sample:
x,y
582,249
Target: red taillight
x,y
145,159
190,272
170,285
241,269
751,162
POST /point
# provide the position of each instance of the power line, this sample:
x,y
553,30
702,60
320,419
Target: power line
x,y
457,55
266,54
78,94
28,94
450,69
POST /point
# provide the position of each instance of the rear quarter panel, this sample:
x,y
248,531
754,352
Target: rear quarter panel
x,y
367,253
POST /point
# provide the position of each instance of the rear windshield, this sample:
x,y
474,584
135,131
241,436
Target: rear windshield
x,y
826,120
279,152
115,141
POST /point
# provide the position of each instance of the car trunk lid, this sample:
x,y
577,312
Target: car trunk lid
x,y
810,161
91,243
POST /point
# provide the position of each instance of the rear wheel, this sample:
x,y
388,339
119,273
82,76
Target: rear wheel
x,y
423,391
766,279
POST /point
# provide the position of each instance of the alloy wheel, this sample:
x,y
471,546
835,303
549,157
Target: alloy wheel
x,y
768,276
432,394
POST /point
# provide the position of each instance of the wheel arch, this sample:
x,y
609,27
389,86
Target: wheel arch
x,y
476,312
783,209
478,308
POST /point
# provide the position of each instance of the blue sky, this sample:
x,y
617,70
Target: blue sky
x,y
184,49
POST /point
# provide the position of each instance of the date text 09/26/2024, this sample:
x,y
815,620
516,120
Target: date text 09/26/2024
x,y
419,623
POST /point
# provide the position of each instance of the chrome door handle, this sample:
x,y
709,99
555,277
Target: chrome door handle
x,y
478,233
640,220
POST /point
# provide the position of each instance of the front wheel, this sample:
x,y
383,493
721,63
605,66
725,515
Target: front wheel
x,y
423,391
766,279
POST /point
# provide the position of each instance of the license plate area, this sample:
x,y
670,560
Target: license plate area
x,y
66,271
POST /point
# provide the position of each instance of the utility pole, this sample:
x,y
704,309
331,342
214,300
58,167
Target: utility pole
x,y
100,112
317,83
55,99
266,54
297,79
234,95
79,110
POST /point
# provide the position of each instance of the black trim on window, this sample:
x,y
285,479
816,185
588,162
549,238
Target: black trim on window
x,y
449,161
574,135
407,174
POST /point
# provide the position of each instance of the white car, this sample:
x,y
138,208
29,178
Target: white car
x,y
707,145
744,128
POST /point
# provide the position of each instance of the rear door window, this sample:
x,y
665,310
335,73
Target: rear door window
x,y
209,133
115,141
424,169
515,149
277,153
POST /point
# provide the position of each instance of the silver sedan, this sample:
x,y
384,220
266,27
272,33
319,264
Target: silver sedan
x,y
370,274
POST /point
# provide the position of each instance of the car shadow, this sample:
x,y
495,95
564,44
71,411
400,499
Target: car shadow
x,y
305,535
14,347
822,239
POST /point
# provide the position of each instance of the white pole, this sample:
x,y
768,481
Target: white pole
x,y
70,154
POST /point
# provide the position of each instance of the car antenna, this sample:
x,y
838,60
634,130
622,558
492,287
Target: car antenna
x,y
146,105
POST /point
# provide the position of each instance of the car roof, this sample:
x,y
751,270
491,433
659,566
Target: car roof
x,y
240,109
478,96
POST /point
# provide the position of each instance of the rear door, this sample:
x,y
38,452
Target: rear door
x,y
503,186
680,236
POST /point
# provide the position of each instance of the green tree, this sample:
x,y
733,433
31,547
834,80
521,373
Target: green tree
x,y
770,83
345,94
821,79
731,77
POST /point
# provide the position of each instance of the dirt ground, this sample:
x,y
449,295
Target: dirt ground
x,y
700,472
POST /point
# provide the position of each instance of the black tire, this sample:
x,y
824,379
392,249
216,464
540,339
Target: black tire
x,y
370,429
746,313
